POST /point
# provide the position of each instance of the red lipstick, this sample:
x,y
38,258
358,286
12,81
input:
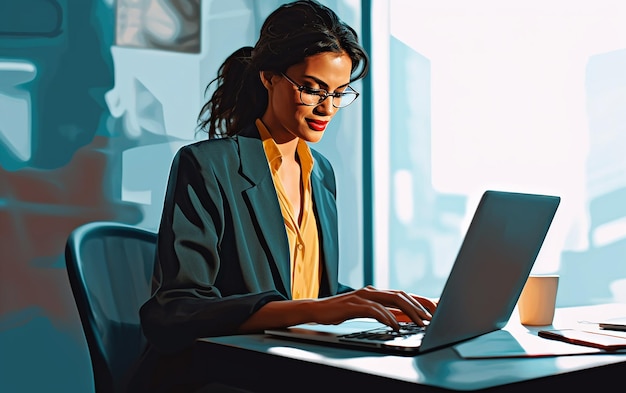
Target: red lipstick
x,y
317,125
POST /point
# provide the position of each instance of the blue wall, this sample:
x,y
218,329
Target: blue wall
x,y
96,96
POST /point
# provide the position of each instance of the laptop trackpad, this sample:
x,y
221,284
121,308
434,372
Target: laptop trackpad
x,y
347,327
329,333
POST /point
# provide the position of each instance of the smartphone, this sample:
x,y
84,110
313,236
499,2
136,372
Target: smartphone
x,y
589,339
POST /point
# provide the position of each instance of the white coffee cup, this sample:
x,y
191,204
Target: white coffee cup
x,y
537,301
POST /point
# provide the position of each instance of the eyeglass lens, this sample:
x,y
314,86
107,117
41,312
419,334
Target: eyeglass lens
x,y
317,98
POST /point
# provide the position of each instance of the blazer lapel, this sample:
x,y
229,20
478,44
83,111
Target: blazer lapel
x,y
326,213
264,204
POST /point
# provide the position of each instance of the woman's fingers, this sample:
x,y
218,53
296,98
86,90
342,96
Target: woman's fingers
x,y
429,304
399,314
386,316
387,306
347,306
407,304
425,312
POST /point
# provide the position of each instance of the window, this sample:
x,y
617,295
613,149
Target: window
x,y
521,96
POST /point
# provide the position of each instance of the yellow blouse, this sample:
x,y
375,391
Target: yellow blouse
x,y
303,237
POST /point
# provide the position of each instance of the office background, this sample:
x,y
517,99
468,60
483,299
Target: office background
x,y
96,96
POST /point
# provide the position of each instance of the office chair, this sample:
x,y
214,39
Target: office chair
x,y
110,268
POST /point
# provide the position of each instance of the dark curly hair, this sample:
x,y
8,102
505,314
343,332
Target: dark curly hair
x,y
291,33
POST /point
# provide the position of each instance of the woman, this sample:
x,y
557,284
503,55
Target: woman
x,y
248,236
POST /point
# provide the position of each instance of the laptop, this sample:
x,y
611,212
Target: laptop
x,y
482,289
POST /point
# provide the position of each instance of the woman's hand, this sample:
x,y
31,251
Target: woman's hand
x,y
386,306
429,304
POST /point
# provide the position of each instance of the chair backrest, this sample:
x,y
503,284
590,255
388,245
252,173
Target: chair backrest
x,y
110,267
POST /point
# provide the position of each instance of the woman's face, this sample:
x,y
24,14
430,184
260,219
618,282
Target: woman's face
x,y
286,117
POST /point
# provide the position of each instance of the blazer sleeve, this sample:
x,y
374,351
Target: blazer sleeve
x,y
188,304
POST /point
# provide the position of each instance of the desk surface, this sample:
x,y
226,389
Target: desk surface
x,y
441,370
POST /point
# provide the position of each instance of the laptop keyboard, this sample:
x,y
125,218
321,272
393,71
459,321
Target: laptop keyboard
x,y
386,333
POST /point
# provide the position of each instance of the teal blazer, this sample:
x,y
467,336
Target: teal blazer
x,y
222,246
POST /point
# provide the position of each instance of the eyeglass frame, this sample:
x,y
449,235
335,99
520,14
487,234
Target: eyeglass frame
x,y
326,94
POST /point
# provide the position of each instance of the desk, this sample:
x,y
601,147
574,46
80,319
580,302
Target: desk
x,y
267,364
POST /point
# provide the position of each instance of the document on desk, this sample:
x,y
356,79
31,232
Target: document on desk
x,y
503,344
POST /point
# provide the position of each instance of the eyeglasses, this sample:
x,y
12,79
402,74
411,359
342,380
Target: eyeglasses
x,y
314,97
